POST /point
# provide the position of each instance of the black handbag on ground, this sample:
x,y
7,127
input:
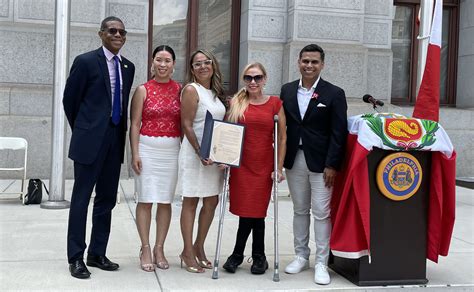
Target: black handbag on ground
x,y
35,191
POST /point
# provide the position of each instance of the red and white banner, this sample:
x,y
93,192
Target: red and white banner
x,y
427,101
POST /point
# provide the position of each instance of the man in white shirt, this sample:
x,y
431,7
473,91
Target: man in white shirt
x,y
316,119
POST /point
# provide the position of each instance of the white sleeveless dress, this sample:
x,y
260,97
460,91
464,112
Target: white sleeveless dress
x,y
195,179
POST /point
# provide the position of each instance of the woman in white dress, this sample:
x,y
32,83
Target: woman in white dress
x,y
198,177
155,135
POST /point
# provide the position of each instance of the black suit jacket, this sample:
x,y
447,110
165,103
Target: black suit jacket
x,y
323,130
87,103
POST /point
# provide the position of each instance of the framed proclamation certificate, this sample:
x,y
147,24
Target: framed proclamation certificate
x,y
222,141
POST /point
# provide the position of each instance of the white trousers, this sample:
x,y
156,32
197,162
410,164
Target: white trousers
x,y
309,193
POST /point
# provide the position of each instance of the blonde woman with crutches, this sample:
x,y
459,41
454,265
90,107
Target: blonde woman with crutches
x,y
250,185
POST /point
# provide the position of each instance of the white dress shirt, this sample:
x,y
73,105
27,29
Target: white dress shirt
x,y
304,97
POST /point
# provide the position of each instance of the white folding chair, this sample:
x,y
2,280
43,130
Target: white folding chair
x,y
14,143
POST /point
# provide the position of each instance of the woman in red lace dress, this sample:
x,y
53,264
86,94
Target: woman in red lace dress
x,y
251,183
155,133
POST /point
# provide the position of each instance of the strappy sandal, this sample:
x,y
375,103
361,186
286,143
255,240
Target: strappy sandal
x,y
147,267
163,264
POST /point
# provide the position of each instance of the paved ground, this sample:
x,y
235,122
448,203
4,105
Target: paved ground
x,y
33,253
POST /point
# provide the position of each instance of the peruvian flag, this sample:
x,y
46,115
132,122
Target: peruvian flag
x,y
350,202
427,101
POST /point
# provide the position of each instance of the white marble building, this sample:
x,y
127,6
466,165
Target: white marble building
x,y
356,35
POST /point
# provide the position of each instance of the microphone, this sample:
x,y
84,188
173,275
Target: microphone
x,y
275,118
367,98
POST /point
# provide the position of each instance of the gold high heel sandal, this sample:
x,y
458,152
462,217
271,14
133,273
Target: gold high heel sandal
x,y
204,263
160,264
189,268
147,267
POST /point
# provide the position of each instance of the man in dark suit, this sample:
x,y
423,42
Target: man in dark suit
x,y
96,102
316,120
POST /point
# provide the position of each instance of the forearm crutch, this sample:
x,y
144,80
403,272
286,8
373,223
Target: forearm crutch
x,y
276,272
215,272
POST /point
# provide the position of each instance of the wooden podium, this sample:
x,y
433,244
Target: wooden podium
x,y
393,202
398,234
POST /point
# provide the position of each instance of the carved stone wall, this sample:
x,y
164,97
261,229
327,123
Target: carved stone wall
x,y
27,64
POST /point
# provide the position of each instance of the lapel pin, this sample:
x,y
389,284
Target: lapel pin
x,y
125,66
315,95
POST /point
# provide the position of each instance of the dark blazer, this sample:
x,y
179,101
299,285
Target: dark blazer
x,y
323,130
87,102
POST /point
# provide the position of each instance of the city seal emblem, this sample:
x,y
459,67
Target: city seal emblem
x,y
399,176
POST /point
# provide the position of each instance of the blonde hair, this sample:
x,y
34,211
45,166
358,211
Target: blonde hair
x,y
216,79
240,101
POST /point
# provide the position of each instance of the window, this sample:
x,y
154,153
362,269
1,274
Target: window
x,y
402,32
187,25
171,29
405,51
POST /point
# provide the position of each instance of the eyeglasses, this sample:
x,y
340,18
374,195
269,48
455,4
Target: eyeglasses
x,y
202,63
113,31
249,78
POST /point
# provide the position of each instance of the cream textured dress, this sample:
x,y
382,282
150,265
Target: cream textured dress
x,y
195,179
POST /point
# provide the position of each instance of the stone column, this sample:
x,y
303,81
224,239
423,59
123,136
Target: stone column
x,y
263,37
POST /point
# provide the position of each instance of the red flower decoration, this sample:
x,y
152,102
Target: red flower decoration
x,y
315,95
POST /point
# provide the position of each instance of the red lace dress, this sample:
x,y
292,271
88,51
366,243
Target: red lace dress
x,y
158,147
251,183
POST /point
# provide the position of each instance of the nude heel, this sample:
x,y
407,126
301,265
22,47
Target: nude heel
x,y
147,267
160,264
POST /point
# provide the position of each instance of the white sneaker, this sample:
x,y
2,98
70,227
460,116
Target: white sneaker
x,y
297,265
321,275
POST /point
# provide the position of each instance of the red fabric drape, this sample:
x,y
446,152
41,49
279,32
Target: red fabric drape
x,y
350,205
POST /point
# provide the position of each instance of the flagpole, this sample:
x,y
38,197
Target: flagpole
x,y
426,12
58,122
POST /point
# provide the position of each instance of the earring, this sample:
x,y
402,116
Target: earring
x,y
152,70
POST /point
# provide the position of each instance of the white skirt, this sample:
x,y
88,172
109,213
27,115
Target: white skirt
x,y
157,181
